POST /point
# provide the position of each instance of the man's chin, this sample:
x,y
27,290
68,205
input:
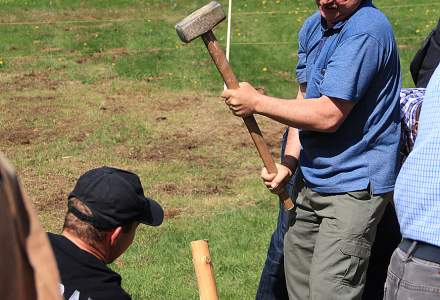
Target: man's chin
x,y
330,15
330,19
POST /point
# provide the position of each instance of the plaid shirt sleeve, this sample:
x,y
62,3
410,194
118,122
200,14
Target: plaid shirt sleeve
x,y
410,104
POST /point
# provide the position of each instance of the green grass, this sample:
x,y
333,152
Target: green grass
x,y
92,83
164,256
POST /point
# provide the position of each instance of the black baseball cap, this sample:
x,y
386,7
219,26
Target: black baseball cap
x,y
116,198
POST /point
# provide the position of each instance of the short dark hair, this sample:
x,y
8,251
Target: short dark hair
x,y
83,230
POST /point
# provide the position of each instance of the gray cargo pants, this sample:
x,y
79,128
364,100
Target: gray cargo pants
x,y
328,243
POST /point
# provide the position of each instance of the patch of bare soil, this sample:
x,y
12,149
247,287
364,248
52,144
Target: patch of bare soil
x,y
32,81
222,186
80,137
37,98
56,201
176,103
271,131
20,136
48,194
204,127
172,146
211,189
172,213
204,137
34,96
114,104
113,53
272,135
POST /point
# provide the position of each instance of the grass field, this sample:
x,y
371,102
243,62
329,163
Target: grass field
x,y
91,83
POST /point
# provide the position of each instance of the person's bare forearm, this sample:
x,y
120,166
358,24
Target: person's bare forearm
x,y
300,96
292,150
293,145
319,114
289,162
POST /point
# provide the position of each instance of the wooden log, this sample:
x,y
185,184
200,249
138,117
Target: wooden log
x,y
204,270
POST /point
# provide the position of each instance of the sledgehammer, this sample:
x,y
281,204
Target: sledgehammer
x,y
201,23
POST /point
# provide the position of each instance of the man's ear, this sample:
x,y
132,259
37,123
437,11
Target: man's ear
x,y
115,234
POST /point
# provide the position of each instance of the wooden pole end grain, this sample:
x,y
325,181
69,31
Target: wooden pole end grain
x,y
204,270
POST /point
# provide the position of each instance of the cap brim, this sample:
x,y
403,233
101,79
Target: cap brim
x,y
153,213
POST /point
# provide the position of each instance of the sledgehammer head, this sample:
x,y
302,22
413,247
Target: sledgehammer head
x,y
201,21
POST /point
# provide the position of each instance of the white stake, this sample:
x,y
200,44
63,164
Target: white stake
x,y
228,35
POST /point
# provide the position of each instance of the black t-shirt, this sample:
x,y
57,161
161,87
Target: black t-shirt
x,y
83,276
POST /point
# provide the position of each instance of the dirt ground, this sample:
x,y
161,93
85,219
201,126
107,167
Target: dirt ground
x,y
41,112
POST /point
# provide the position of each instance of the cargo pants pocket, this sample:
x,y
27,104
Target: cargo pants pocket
x,y
356,256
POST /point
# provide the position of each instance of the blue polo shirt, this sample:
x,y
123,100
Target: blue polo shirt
x,y
356,60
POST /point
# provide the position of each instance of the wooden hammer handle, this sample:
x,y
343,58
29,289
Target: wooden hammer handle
x,y
222,64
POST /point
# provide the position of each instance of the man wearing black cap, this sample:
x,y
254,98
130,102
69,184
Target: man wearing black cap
x,y
104,210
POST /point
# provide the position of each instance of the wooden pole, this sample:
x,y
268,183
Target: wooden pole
x,y
204,271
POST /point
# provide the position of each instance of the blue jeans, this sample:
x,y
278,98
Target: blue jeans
x,y
272,281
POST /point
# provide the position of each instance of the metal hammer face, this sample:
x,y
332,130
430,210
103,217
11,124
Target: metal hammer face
x,y
201,21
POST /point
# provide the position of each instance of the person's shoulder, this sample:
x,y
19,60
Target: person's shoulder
x,y
95,281
53,236
122,295
60,244
312,21
112,286
54,239
370,20
371,13
310,25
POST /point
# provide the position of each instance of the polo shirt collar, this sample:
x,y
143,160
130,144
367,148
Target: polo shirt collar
x,y
337,26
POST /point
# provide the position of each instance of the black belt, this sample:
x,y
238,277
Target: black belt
x,y
422,250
